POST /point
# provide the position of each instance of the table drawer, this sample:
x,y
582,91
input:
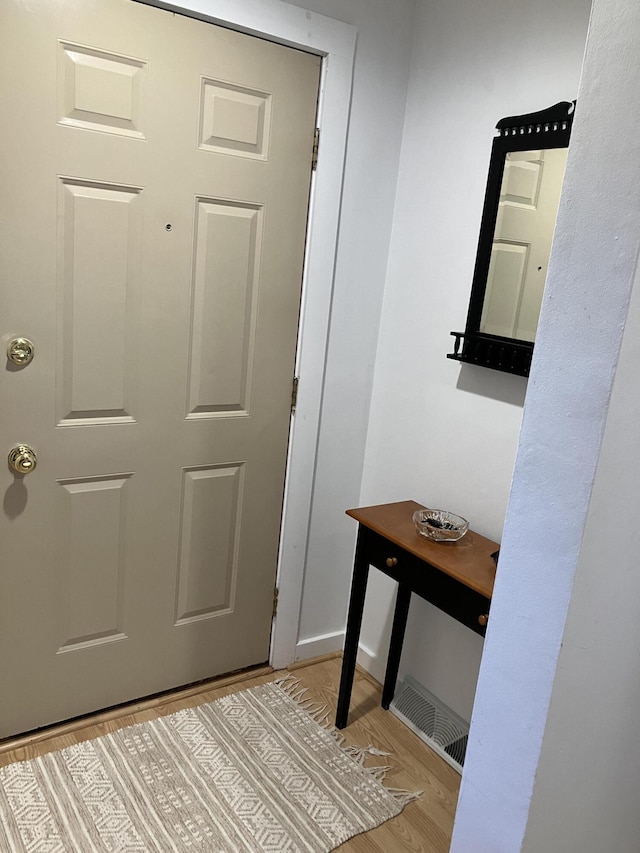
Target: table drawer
x,y
443,591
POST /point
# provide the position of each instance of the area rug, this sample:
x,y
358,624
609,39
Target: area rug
x,y
258,770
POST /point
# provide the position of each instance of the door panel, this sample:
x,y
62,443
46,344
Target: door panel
x,y
227,250
155,185
100,91
234,120
99,263
210,516
529,198
92,544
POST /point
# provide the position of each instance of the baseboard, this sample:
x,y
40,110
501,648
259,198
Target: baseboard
x,y
371,663
328,644
323,644
307,662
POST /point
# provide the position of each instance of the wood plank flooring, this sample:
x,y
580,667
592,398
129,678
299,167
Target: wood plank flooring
x,y
424,826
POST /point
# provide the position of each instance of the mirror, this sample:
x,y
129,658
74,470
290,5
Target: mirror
x,y
526,171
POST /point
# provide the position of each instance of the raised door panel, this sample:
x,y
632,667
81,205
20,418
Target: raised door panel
x,y
504,285
93,550
98,260
228,239
209,541
234,120
102,91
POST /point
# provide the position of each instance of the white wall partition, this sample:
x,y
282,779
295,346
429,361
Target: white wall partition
x,y
555,716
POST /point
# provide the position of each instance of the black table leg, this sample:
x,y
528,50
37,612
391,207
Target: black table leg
x,y
354,622
403,598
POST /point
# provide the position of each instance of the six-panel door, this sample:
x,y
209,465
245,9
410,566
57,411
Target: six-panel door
x,y
155,185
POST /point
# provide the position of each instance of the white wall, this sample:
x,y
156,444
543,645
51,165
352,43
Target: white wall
x,y
377,114
439,433
556,704
585,796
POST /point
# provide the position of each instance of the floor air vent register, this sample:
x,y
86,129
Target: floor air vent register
x,y
440,727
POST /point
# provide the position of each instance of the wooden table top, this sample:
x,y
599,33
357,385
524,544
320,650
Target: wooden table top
x,y
468,560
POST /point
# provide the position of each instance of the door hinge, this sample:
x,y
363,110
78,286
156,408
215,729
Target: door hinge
x,y
276,592
294,393
316,145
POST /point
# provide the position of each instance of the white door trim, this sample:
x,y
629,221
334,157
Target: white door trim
x,y
336,43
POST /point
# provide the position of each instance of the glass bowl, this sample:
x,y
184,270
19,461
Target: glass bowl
x,y
440,525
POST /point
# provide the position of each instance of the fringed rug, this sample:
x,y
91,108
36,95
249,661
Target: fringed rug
x,y
258,770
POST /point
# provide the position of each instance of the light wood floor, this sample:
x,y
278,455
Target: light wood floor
x,y
424,826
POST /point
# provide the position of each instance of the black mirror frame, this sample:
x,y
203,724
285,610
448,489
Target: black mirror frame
x,y
550,128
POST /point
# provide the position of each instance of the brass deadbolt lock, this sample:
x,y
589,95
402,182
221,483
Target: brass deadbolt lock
x,y
20,351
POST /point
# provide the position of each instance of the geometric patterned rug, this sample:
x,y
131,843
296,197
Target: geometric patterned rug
x,y
258,770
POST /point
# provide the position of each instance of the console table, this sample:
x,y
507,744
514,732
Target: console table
x,y
457,577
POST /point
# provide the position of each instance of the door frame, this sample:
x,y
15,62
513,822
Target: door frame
x,y
335,42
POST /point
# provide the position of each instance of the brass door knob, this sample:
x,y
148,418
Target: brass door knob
x,y
22,459
20,351
392,561
483,620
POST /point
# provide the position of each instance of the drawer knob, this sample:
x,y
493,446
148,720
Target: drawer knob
x,y
483,620
392,561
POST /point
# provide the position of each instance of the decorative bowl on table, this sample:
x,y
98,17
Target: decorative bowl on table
x,y
440,525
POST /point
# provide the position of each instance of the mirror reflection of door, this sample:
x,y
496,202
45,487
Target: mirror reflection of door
x,y
529,197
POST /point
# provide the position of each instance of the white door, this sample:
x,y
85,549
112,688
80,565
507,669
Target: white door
x,y
527,211
154,186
